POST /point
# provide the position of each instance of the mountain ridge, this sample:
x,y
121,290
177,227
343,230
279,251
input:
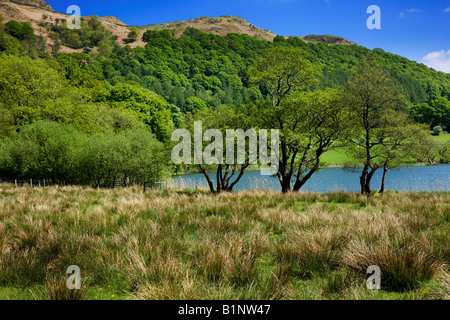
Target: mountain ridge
x,y
33,11
32,3
221,26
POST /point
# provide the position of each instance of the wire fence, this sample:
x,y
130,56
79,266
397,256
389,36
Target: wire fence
x,y
42,183
29,182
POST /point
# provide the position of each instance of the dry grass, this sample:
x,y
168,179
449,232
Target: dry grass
x,y
247,245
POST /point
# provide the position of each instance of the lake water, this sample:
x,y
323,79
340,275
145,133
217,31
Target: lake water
x,y
417,178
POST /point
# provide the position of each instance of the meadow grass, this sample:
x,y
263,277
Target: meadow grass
x,y
338,157
335,158
248,245
441,139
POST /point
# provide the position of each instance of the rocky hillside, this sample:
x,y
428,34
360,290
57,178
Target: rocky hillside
x,y
220,26
32,3
331,40
40,13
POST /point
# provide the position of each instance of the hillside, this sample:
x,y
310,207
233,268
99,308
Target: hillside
x,y
327,39
191,65
32,3
38,13
219,26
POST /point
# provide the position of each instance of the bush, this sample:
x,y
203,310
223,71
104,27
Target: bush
x,y
58,152
43,150
132,36
19,30
437,130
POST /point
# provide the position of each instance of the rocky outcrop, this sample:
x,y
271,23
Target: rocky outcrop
x,y
32,3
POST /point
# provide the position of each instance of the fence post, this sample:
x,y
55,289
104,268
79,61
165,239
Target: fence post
x,y
15,182
31,182
44,183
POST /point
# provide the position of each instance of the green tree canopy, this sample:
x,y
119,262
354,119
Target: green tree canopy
x,y
152,109
374,102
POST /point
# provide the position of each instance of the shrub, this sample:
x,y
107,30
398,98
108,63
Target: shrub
x,y
19,30
58,152
437,130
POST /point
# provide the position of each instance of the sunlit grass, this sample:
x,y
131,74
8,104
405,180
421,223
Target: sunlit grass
x,y
335,157
246,245
441,139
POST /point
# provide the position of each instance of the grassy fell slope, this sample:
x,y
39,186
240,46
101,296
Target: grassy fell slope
x,y
32,3
33,11
220,26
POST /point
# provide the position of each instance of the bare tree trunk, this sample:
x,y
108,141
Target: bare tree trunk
x,y
366,179
285,184
208,178
367,184
301,182
284,173
362,179
241,174
383,180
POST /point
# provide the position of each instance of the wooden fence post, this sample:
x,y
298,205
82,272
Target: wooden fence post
x,y
31,182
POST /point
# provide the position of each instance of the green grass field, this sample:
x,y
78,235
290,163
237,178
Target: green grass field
x,y
247,245
335,158
338,157
441,139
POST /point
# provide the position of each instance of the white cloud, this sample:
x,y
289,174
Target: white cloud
x,y
447,10
438,60
405,13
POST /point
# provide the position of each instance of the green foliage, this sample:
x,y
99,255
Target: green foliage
x,y
80,71
43,150
18,38
32,90
19,30
116,88
132,36
151,109
92,33
9,44
380,128
220,119
280,39
215,68
435,113
309,122
281,72
426,150
59,153
437,130
194,104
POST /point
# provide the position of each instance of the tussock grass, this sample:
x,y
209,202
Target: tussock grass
x,y
246,245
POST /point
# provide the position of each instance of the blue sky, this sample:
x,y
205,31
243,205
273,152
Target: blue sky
x,y
418,30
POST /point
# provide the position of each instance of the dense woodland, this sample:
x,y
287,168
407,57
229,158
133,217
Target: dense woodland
x,y
61,112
